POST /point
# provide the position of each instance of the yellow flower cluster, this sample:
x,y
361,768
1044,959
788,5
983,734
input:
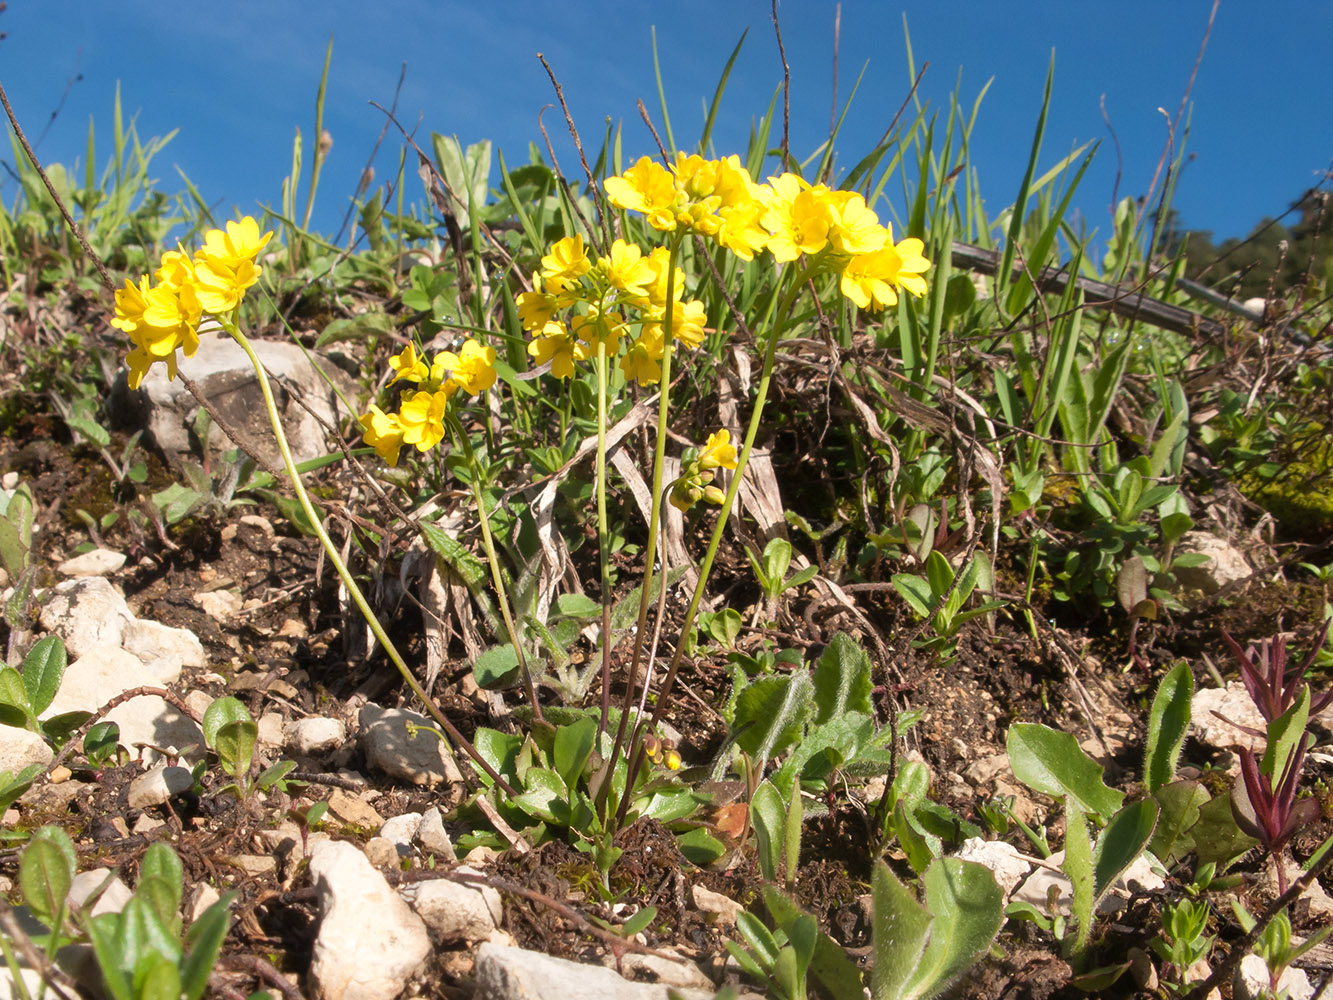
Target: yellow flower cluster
x,y
163,317
420,418
696,481
577,304
787,216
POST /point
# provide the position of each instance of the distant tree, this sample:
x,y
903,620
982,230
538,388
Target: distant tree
x,y
1273,257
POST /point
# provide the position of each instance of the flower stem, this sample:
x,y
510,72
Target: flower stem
x,y
492,559
777,325
331,550
655,513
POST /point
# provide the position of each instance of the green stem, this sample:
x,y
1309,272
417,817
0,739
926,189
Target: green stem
x,y
331,550
655,513
603,534
776,327
493,560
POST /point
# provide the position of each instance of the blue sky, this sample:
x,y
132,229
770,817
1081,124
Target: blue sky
x,y
236,79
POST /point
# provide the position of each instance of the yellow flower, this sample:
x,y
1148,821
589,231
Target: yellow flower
x,y
657,289
646,187
567,260
872,280
641,362
627,269
176,270
383,432
220,286
240,242
473,370
855,227
409,365
538,307
131,301
159,320
422,418
718,451
597,327
797,217
913,266
556,345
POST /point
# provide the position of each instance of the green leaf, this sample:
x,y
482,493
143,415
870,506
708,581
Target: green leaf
x,y
545,796
235,746
160,882
1217,838
499,750
1120,844
203,943
46,872
573,746
578,606
770,714
455,555
1285,733
497,668
768,817
1082,876
104,932
968,909
364,328
1052,762
842,680
12,785
700,847
901,929
1179,803
157,978
1168,724
89,429
915,590
43,670
14,708
222,712
828,963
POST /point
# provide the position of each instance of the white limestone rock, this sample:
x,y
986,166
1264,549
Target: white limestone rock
x,y
455,911
422,759
158,785
506,973
98,562
102,673
164,650
314,736
225,376
20,748
86,612
370,942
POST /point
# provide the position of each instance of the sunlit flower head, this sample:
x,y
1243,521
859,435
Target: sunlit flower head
x,y
649,188
409,366
558,346
241,241
718,451
797,217
872,280
854,227
383,432
568,259
422,418
472,369
627,269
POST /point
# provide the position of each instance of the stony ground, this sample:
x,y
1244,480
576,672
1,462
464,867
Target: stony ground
x,y
275,631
